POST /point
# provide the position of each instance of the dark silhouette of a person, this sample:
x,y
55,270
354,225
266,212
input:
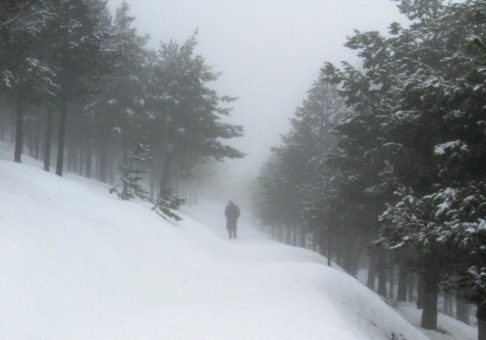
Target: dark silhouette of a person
x,y
232,213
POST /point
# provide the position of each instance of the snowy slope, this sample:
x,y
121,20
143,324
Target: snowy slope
x,y
77,263
449,328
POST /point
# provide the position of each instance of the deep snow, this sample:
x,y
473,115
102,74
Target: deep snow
x,y
448,328
77,263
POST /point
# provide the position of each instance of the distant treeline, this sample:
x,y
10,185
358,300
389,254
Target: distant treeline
x,y
385,164
81,89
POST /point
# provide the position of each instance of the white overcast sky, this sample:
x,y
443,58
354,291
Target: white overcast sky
x,y
269,52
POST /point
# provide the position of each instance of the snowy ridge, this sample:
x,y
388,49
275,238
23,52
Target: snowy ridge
x,y
77,263
449,328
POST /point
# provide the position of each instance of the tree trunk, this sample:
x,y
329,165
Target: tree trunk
x,y
391,293
165,177
167,158
339,251
70,157
82,155
302,235
371,270
2,124
89,160
48,138
462,311
152,184
62,137
355,255
19,128
431,296
102,161
348,246
329,250
111,168
288,234
37,141
411,287
402,283
294,235
381,269
13,118
359,245
481,315
447,305
75,158
420,293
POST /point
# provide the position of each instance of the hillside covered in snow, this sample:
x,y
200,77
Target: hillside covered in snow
x,y
77,263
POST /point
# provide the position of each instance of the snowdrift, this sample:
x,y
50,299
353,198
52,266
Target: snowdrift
x,y
77,263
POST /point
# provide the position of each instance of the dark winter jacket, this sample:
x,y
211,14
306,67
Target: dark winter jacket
x,y
232,213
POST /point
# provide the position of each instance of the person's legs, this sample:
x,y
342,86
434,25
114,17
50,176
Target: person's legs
x,y
232,232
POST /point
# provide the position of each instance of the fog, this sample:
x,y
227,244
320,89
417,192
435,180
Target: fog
x,y
269,53
109,150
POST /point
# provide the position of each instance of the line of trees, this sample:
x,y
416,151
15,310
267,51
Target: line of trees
x,y
80,84
385,164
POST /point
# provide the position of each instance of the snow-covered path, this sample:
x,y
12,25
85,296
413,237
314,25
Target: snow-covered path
x,y
77,263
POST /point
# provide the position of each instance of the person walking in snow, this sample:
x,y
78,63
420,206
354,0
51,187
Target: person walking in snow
x,y
232,213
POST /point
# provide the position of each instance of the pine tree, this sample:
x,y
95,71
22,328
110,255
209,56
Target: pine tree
x,y
185,113
287,183
166,203
24,72
76,55
100,68
132,174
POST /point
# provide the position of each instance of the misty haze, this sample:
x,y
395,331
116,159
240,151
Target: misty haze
x,y
243,169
